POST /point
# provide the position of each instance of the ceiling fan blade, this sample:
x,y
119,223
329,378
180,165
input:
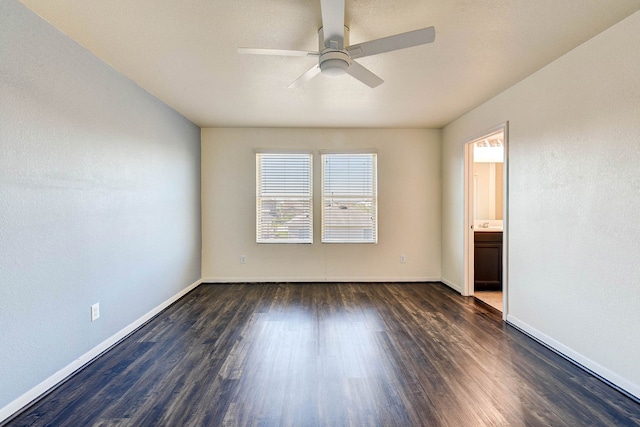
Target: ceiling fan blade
x,y
277,52
387,44
311,73
365,76
333,22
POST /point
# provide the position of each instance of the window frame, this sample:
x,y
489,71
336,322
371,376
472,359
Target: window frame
x,y
354,197
294,197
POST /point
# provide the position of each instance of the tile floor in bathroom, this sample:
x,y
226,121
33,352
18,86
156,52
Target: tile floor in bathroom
x,y
493,298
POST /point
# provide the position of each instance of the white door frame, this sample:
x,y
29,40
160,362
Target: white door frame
x,y
468,215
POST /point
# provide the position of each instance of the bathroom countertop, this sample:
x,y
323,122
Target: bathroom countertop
x,y
488,229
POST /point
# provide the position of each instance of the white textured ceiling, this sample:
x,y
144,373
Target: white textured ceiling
x,y
184,52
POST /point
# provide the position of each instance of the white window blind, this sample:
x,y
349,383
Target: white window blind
x,y
349,198
284,208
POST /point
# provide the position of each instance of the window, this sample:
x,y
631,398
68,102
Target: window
x,y
349,198
284,208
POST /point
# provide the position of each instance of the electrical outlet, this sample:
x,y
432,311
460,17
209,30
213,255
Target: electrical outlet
x,y
403,258
95,311
243,259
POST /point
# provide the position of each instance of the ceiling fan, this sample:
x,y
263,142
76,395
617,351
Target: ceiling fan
x,y
336,57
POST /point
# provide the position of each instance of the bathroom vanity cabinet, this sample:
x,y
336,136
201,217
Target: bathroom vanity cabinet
x,y
488,260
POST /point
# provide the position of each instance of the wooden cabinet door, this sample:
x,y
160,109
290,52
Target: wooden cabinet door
x,y
488,261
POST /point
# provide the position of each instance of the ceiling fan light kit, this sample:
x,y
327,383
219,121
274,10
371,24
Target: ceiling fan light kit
x,y
336,57
334,63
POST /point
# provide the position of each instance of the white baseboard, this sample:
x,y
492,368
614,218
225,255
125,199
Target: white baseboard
x,y
263,279
615,380
452,285
80,362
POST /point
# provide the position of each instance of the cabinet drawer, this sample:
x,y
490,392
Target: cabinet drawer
x,y
489,236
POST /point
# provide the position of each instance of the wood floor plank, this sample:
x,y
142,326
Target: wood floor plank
x,y
329,354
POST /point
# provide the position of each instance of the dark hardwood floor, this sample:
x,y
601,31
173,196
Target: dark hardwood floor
x,y
330,355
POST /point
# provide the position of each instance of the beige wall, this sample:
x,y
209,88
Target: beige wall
x,y
409,208
574,198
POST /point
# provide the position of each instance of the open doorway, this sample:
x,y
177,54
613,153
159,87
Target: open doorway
x,y
486,217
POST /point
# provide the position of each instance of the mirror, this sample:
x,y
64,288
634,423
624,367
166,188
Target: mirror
x,y
488,179
488,197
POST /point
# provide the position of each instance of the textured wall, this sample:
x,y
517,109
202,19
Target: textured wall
x,y
574,198
99,201
408,210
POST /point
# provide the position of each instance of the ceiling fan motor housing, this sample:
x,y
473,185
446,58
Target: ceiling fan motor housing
x,y
334,63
